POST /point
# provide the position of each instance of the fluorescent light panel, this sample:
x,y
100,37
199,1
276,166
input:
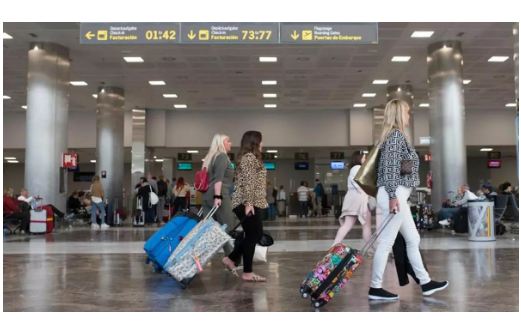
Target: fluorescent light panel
x,y
269,95
170,95
268,59
192,151
95,95
380,81
78,83
401,58
270,106
466,81
498,58
272,151
180,106
510,105
369,95
486,149
12,161
269,82
156,82
359,105
24,107
133,59
424,105
6,97
7,36
422,34
9,158
93,161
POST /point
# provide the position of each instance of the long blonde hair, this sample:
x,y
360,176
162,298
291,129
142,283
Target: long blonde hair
x,y
393,118
216,148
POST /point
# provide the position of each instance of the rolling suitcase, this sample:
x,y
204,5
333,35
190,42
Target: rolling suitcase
x,y
333,271
38,221
139,217
162,243
196,249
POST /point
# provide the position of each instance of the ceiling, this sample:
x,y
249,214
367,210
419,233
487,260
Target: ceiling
x,y
228,77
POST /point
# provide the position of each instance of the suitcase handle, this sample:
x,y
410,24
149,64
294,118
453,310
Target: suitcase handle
x,y
375,235
210,213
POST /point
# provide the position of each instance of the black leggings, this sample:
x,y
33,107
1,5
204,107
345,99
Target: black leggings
x,y
252,226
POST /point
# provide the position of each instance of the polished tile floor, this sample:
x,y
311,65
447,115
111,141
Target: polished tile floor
x,y
80,270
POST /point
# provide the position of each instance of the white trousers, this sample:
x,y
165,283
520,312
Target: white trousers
x,y
402,222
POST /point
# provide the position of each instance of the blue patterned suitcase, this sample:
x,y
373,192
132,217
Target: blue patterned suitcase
x,y
163,243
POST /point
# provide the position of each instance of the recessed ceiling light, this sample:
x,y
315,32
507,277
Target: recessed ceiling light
x,y
275,156
422,34
466,81
95,95
133,59
192,151
486,149
78,83
170,95
93,161
24,107
424,105
269,95
7,36
359,105
138,111
369,95
156,82
10,158
270,106
159,160
511,105
402,58
7,97
272,151
269,82
180,106
380,81
12,161
268,59
497,58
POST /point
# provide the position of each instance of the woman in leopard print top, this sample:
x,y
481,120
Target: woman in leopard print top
x,y
249,203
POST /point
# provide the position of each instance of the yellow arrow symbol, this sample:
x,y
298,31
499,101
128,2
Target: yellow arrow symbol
x,y
191,35
295,35
89,35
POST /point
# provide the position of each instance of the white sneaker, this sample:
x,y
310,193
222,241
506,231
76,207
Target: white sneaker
x,y
105,226
444,222
94,226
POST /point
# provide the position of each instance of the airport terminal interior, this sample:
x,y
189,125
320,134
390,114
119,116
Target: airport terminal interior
x,y
125,101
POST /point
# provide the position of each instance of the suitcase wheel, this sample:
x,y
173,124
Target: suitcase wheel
x,y
318,303
147,261
156,269
305,291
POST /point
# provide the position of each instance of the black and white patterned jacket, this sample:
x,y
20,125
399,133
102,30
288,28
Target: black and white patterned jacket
x,y
393,150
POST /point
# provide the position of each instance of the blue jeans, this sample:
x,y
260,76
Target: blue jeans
x,y
448,213
272,211
93,210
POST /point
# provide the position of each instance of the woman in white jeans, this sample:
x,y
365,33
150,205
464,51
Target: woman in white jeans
x,y
397,174
355,204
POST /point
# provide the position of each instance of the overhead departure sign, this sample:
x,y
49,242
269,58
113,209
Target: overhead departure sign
x,y
329,33
230,33
129,33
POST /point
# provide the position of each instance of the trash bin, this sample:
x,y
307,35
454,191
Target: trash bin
x,y
481,221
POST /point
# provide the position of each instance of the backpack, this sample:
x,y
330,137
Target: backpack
x,y
201,180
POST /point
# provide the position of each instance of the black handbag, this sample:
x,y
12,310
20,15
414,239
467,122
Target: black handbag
x,y
266,240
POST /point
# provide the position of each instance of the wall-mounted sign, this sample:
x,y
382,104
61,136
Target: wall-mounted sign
x,y
494,155
329,33
70,160
219,33
301,156
268,156
337,155
129,33
184,156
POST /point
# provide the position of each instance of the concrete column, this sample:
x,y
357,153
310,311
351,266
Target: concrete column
x,y
447,119
515,32
405,93
378,122
109,141
168,168
47,117
138,151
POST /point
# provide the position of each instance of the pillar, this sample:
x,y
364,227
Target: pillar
x,y
47,117
109,142
447,119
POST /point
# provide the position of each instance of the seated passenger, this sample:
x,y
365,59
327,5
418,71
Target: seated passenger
x,y
74,203
16,211
447,214
24,196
